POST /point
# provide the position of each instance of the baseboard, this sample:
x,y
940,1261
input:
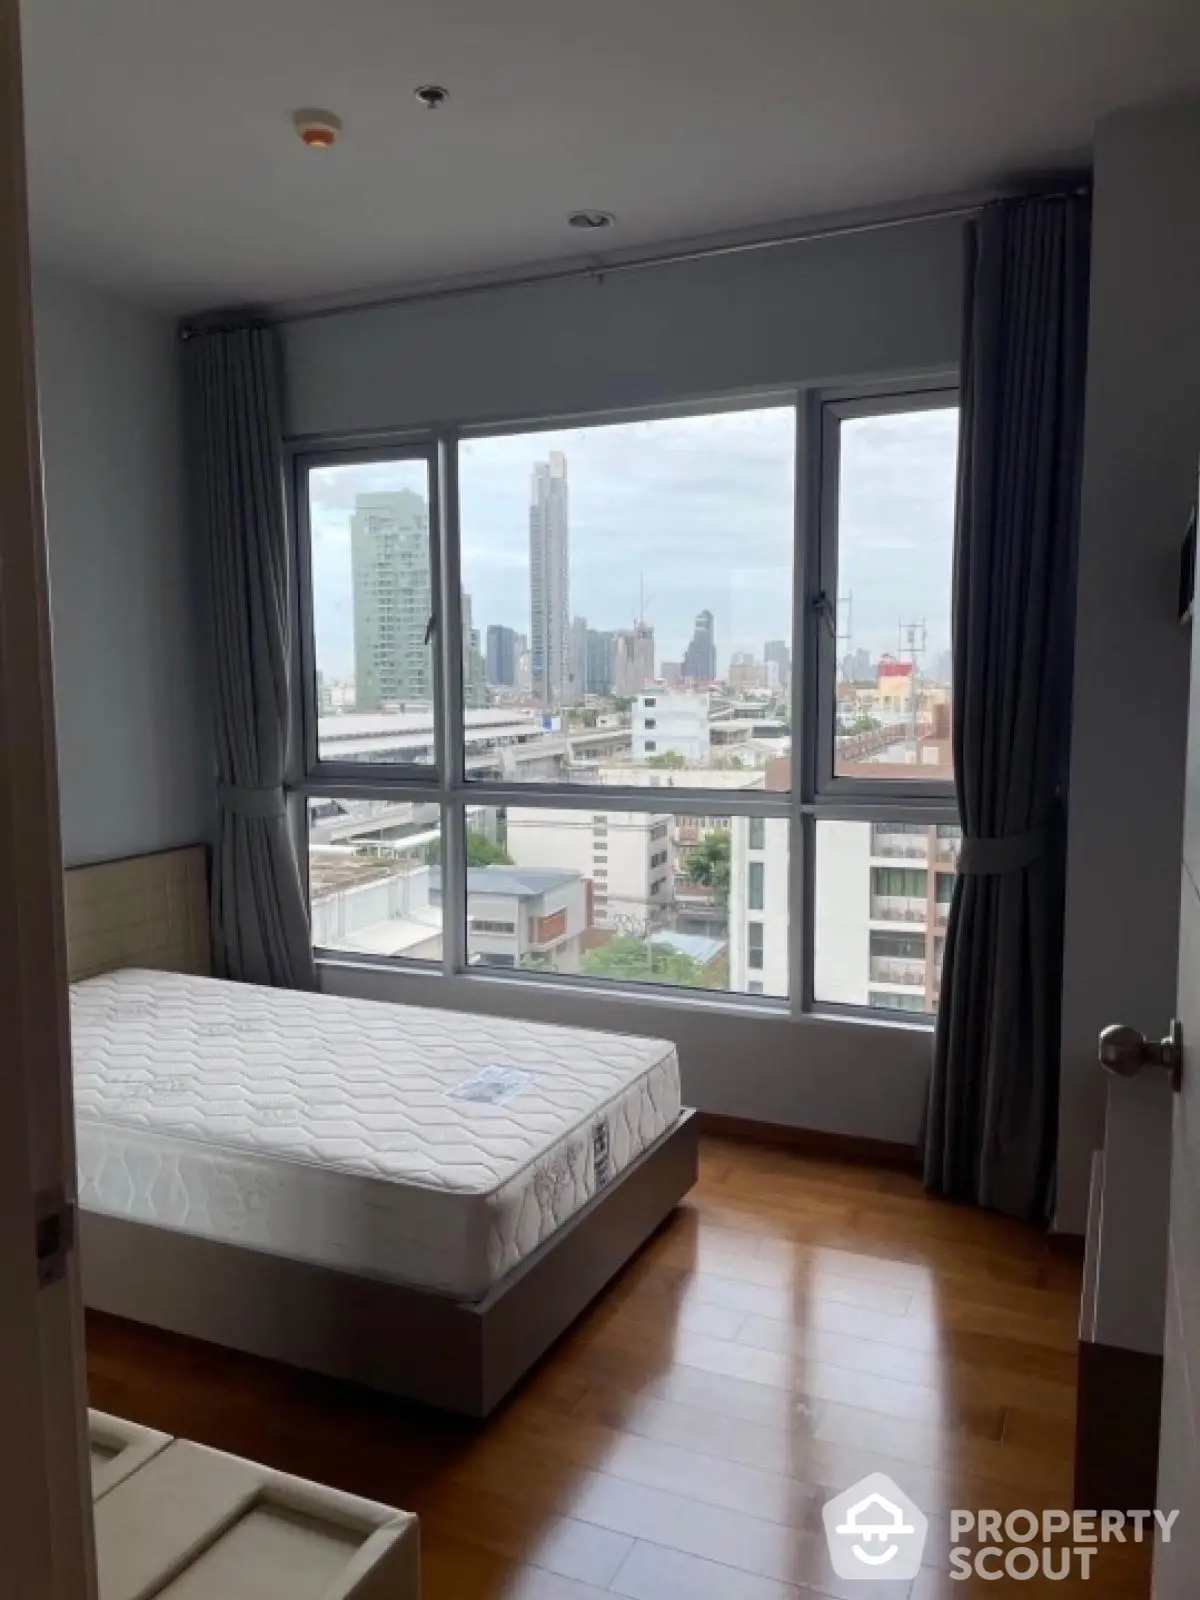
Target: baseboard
x,y
842,1146
1116,1428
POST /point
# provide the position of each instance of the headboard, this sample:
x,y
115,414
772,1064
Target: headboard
x,y
146,911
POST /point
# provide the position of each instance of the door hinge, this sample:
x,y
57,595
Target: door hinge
x,y
54,1234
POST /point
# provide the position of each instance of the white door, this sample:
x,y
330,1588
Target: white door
x,y
45,1515
1178,1562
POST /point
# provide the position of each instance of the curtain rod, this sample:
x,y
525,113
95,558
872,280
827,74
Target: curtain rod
x,y
645,263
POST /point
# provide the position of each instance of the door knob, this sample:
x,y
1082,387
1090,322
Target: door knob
x,y
1124,1052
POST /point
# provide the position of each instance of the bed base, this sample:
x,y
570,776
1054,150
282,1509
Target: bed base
x,y
405,1341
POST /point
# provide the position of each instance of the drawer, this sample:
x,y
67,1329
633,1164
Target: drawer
x,y
118,1448
194,1524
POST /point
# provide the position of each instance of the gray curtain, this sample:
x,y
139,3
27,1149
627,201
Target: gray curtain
x,y
992,1123
260,923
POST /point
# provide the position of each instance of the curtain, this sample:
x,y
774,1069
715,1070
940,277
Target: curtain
x,y
260,922
992,1123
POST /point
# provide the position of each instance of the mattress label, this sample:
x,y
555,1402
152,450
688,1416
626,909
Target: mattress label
x,y
494,1085
600,1152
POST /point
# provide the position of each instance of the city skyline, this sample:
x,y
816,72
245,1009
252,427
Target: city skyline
x,y
728,479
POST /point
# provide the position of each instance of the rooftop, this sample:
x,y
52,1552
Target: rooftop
x,y
523,883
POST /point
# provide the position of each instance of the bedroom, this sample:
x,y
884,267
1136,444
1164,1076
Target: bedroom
x,y
449,343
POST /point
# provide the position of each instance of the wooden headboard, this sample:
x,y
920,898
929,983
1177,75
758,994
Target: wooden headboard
x,y
146,911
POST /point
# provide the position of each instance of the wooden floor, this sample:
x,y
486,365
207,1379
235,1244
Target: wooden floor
x,y
799,1324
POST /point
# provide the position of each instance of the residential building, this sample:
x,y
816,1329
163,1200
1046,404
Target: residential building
x,y
633,659
474,667
895,684
883,892
389,561
577,686
744,671
700,657
549,578
777,663
671,673
380,905
525,917
671,724
503,650
626,856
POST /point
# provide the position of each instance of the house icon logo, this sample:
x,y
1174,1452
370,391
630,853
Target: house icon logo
x,y
874,1531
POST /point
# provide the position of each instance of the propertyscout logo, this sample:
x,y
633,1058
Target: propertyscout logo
x,y
876,1533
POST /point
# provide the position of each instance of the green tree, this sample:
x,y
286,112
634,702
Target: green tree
x,y
669,760
481,852
709,864
632,960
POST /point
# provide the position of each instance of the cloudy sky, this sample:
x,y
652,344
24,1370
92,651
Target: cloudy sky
x,y
695,513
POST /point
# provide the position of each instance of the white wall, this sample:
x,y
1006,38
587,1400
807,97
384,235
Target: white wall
x,y
846,309
1142,444
130,676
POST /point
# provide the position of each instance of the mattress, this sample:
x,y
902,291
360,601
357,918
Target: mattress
x,y
428,1147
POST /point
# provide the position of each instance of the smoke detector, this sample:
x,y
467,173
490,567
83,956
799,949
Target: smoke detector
x,y
320,130
432,96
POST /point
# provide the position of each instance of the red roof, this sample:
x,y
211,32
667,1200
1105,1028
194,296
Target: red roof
x,y
889,667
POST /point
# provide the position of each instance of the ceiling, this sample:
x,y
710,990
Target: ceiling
x,y
163,163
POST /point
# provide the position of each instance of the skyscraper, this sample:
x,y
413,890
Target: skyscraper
x,y
600,665
474,675
700,657
389,563
577,659
549,579
633,659
502,651
776,652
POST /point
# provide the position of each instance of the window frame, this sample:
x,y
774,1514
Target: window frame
x,y
815,794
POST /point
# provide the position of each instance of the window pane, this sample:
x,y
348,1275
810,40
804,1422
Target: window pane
x,y
632,586
895,532
882,898
372,595
669,905
372,867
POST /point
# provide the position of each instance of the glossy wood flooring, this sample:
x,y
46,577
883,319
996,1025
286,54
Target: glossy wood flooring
x,y
799,1324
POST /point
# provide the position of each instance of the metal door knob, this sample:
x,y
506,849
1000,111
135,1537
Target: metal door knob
x,y
1124,1052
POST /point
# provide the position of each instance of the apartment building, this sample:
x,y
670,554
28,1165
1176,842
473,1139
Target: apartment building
x,y
525,917
624,855
671,724
758,906
389,561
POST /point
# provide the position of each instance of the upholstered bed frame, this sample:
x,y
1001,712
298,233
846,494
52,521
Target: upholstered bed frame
x,y
152,911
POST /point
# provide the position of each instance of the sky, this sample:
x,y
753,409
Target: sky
x,y
678,515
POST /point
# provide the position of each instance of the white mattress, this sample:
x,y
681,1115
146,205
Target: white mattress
x,y
429,1147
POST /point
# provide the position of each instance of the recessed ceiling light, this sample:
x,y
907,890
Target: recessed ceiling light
x,y
432,96
591,219
320,130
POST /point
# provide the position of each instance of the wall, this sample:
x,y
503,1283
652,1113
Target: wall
x,y
840,310
134,746
1131,679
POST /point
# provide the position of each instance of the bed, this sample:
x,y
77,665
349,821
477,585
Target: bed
x,y
414,1199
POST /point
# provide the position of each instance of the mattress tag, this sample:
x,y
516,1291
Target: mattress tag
x,y
600,1152
493,1086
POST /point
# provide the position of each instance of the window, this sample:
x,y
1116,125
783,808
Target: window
x,y
606,618
371,566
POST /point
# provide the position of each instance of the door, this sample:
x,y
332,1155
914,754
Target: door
x,y
45,1517
1177,1563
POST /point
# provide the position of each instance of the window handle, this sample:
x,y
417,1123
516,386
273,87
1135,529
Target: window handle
x,y
430,626
822,606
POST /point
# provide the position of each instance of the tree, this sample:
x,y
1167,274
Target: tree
x,y
632,960
708,864
669,760
481,852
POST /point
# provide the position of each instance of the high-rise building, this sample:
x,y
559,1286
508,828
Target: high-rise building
x,y
549,579
474,672
502,653
389,561
744,671
776,654
600,661
700,657
633,659
577,661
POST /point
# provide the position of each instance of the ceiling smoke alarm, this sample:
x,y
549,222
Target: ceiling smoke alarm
x,y
590,220
320,130
432,96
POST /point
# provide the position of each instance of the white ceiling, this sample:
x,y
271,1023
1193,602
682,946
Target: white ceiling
x,y
163,163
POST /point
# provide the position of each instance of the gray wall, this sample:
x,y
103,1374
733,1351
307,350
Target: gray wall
x,y
1131,664
852,308
134,747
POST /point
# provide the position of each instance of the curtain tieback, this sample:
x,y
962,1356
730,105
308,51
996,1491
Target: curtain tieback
x,y
1009,852
252,800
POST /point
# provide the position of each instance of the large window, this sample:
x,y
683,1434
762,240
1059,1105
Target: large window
x,y
550,732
